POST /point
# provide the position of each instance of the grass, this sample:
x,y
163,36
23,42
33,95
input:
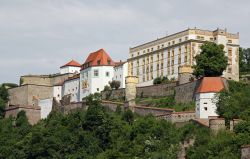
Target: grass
x,y
166,102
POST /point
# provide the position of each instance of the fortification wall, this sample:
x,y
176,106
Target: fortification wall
x,y
112,105
33,113
113,94
245,152
177,117
29,94
160,90
217,124
142,110
36,92
47,80
18,95
185,93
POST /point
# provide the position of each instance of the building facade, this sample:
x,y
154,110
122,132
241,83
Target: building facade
x,y
70,67
162,57
206,97
97,71
72,87
120,72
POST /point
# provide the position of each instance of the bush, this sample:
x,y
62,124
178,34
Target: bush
x,y
107,88
115,84
161,80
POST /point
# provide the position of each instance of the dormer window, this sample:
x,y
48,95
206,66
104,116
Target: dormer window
x,y
108,62
98,62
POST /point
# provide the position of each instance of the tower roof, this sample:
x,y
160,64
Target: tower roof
x,y
98,58
72,63
211,84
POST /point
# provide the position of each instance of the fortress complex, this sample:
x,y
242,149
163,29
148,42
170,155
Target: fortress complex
x,y
164,56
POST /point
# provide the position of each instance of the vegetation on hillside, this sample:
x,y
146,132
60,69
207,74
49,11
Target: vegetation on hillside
x,y
244,60
166,102
235,103
212,60
4,97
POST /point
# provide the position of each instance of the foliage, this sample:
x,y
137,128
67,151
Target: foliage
x,y
166,102
93,99
211,61
235,103
107,88
4,97
161,80
115,84
9,85
244,60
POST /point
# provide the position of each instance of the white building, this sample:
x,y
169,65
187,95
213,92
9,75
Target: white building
x,y
164,56
70,67
72,87
120,72
206,97
97,71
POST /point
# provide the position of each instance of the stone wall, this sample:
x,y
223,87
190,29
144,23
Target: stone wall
x,y
29,94
217,124
114,94
185,93
112,105
18,95
245,152
47,80
160,90
142,110
33,113
177,117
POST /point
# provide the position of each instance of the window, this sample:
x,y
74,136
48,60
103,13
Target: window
x,y
180,40
107,74
96,73
186,38
98,62
138,53
108,62
97,89
229,41
205,108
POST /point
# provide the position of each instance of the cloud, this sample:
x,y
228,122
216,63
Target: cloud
x,y
38,36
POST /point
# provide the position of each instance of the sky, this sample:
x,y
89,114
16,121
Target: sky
x,y
39,36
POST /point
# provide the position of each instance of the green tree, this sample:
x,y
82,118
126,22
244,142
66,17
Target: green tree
x,y
211,61
115,84
4,93
244,60
2,108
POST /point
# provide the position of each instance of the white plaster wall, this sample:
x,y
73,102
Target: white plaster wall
x,y
46,107
207,100
120,73
95,84
72,87
69,69
57,92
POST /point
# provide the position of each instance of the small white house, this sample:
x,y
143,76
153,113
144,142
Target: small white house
x,y
70,67
206,97
97,71
72,87
120,72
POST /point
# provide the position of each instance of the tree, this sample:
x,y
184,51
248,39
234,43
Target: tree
x,y
2,107
161,80
4,93
107,88
211,61
244,60
115,84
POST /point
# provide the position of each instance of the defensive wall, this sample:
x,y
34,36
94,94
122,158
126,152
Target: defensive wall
x,y
245,152
177,117
33,113
29,94
47,80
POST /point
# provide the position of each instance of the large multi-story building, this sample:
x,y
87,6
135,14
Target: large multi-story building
x,y
162,57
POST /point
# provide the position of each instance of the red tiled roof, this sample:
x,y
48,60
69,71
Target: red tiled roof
x,y
117,64
72,63
211,84
98,58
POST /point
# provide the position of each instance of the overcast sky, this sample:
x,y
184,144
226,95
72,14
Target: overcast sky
x,y
39,36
